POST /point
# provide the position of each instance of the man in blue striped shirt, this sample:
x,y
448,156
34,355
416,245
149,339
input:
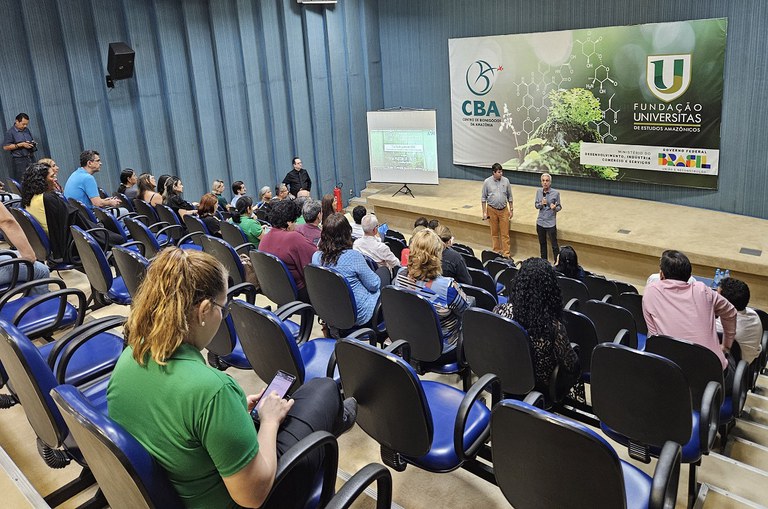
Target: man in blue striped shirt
x,y
548,203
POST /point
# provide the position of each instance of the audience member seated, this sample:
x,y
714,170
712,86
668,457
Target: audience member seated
x,y
312,218
81,185
161,183
55,167
535,304
358,213
217,189
453,263
675,307
195,419
128,185
335,251
424,275
54,213
301,198
749,328
265,195
288,245
238,191
421,221
371,245
281,193
206,211
433,224
172,197
15,235
567,263
243,218
329,203
147,190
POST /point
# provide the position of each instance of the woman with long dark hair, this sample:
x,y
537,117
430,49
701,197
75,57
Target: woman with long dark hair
x,y
148,190
243,217
195,419
568,263
128,184
173,197
328,206
335,251
535,304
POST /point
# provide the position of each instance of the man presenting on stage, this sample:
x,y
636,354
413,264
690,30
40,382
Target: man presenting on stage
x,y
496,202
297,179
548,203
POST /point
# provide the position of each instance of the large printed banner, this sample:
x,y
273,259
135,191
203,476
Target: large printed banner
x,y
637,103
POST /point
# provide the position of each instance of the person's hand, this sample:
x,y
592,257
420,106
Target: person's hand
x,y
274,409
543,202
25,144
553,206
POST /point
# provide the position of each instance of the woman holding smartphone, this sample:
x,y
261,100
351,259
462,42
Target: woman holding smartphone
x,y
194,419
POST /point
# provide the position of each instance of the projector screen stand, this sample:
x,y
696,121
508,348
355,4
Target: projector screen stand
x,y
405,190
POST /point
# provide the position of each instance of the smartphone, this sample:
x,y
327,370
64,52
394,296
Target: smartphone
x,y
281,383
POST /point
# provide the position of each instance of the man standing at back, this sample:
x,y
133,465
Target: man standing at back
x,y
297,179
674,307
81,185
20,143
496,202
548,203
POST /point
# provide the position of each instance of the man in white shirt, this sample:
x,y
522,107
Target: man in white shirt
x,y
371,245
749,328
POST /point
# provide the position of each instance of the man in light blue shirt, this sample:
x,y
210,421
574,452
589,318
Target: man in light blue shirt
x,y
81,185
548,203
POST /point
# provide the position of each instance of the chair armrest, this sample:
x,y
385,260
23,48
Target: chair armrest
x,y
24,288
16,263
666,477
66,346
168,228
472,396
189,237
296,454
740,386
364,332
248,289
709,418
402,347
607,298
307,317
139,244
535,398
247,246
96,234
158,225
573,304
620,336
354,487
61,295
9,252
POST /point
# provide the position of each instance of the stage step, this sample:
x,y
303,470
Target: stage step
x,y
712,497
735,477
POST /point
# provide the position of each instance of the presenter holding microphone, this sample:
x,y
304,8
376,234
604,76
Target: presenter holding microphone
x,y
548,203
496,202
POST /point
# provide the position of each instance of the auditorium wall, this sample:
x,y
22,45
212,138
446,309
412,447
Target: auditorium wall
x,y
227,89
414,41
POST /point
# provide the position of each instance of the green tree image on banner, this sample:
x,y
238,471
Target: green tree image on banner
x,y
637,103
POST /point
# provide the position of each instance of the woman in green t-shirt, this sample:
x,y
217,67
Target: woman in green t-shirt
x,y
244,219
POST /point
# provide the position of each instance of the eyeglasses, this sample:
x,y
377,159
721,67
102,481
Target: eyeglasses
x,y
224,308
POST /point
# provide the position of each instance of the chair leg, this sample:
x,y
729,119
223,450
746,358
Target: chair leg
x,y
693,486
84,481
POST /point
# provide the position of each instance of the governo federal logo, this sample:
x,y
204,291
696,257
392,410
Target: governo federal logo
x,y
668,76
481,76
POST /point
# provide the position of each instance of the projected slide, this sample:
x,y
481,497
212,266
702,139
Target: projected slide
x,y
402,146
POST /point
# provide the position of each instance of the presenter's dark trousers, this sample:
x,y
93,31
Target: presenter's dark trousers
x,y
19,165
543,232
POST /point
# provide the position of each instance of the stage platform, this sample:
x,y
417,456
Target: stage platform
x,y
620,237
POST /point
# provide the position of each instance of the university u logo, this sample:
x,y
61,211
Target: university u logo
x,y
668,76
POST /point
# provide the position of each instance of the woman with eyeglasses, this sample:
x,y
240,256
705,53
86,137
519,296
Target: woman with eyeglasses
x,y
194,419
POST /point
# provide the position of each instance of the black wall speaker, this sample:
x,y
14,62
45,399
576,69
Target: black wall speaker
x,y
120,61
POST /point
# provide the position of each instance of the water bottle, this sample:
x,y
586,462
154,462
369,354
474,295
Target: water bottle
x,y
718,277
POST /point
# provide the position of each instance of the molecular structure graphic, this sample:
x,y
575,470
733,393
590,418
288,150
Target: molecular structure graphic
x,y
534,90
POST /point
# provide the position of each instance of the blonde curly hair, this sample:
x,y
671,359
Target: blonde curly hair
x,y
425,261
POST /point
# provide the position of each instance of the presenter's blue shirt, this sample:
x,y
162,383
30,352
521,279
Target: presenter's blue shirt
x,y
81,186
547,217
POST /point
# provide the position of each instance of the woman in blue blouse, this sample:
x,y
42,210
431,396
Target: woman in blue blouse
x,y
335,251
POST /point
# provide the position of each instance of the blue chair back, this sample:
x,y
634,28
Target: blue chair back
x,y
331,296
34,232
141,233
126,473
94,260
225,253
276,281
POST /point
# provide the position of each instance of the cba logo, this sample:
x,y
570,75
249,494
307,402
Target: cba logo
x,y
668,76
480,78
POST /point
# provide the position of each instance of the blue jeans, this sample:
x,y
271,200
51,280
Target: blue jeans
x,y
40,272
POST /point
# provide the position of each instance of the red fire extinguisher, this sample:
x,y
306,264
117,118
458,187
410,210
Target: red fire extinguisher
x,y
337,195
